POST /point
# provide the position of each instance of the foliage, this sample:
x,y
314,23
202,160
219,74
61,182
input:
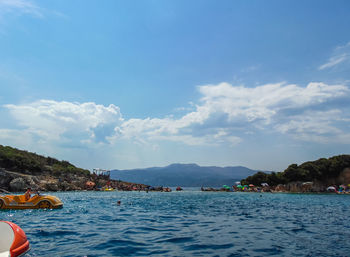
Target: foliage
x,y
23,161
309,171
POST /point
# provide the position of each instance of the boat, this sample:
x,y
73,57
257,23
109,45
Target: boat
x,y
35,202
13,240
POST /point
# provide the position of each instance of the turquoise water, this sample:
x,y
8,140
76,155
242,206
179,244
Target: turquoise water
x,y
188,223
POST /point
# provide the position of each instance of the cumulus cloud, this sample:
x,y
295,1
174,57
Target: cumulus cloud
x,y
223,115
225,112
290,109
54,121
263,102
316,126
341,54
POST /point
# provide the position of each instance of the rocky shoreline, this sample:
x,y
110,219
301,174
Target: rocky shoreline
x,y
18,182
12,181
21,169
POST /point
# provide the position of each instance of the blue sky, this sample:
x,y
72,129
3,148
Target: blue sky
x,y
132,84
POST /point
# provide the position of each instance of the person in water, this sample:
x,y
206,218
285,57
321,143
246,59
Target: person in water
x,y
27,194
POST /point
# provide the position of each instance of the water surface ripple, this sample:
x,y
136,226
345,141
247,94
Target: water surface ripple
x,y
189,223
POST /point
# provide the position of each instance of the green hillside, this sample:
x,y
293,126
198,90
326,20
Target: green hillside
x,y
21,169
13,159
319,170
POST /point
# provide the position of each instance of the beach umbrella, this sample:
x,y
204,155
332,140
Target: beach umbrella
x,y
331,188
226,186
264,184
237,182
239,186
251,185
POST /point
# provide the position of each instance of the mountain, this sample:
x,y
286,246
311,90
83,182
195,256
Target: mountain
x,y
187,175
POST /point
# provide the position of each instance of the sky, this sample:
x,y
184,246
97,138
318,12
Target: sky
x,y
132,84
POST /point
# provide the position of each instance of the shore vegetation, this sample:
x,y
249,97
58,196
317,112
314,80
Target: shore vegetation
x,y
320,170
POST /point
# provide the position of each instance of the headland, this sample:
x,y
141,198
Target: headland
x,y
21,169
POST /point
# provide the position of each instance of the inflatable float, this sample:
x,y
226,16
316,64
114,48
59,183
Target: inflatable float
x,y
13,240
35,202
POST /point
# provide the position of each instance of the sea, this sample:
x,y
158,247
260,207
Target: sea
x,y
188,223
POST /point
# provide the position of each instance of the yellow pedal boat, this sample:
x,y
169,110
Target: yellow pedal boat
x,y
35,202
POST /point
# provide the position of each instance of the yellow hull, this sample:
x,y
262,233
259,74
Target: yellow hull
x,y
17,202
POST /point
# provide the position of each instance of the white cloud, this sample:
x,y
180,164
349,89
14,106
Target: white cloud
x,y
225,111
15,137
333,61
224,115
51,120
264,102
20,7
341,54
318,126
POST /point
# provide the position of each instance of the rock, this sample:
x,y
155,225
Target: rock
x,y
344,177
36,180
294,187
280,188
5,180
18,184
65,186
52,187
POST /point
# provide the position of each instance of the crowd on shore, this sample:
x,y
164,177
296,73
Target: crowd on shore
x,y
296,187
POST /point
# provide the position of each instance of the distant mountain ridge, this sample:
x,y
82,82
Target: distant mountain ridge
x,y
186,175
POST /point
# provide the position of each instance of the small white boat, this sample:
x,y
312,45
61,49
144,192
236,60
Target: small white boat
x,y
13,240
